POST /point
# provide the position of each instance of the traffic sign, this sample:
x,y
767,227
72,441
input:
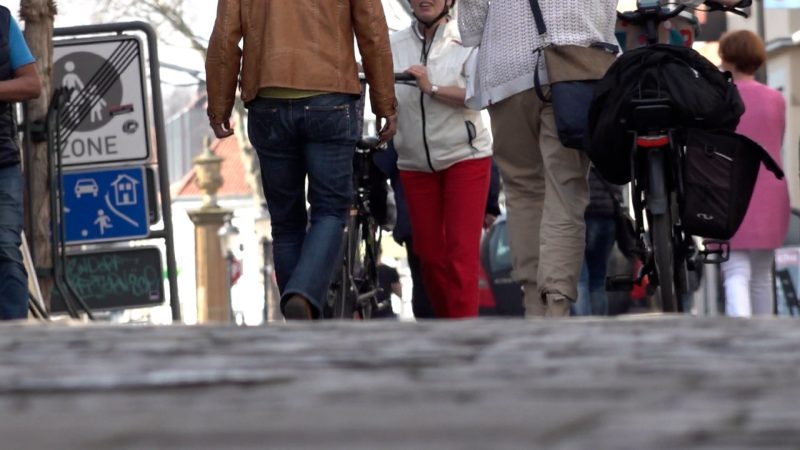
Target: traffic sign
x,y
105,205
104,119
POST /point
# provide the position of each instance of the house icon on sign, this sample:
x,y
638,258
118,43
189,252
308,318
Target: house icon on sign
x,y
125,190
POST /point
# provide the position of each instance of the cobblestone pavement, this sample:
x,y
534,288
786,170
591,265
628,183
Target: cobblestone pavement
x,y
635,383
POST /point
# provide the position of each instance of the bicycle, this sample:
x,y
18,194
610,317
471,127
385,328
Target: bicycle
x,y
354,287
667,252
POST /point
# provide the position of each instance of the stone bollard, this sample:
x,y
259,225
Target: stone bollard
x,y
210,271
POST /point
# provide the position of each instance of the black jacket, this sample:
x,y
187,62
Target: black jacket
x,y
9,150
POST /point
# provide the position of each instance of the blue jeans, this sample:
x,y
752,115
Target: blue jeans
x,y
592,297
13,278
313,137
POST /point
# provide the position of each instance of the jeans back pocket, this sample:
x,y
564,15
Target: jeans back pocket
x,y
331,118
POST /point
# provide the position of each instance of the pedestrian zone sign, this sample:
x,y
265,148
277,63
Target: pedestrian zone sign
x,y
104,119
105,205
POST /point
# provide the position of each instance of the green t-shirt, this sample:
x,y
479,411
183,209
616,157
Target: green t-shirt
x,y
287,93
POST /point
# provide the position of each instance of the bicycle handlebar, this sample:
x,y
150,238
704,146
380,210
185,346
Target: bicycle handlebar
x,y
658,13
399,77
403,76
643,15
736,9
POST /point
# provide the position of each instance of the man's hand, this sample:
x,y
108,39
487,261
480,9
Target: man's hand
x,y
389,128
488,221
420,73
222,130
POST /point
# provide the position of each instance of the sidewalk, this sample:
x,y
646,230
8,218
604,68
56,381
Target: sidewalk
x,y
636,383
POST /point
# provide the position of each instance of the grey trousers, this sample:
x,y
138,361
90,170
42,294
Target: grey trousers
x,y
547,193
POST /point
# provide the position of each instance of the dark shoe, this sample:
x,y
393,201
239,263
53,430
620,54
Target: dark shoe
x,y
297,308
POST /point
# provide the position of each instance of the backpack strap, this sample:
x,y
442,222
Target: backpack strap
x,y
541,27
538,17
763,155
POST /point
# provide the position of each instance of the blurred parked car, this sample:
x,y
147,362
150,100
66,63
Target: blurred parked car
x,y
500,295
787,270
793,233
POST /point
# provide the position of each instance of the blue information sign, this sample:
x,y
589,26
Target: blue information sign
x,y
105,205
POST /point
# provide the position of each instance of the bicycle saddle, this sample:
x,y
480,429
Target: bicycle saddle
x,y
651,114
371,143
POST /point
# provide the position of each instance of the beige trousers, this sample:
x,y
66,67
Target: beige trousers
x,y
546,196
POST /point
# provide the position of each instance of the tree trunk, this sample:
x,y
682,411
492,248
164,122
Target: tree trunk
x,y
39,16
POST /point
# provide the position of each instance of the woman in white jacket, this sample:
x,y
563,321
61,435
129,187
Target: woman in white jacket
x,y
444,157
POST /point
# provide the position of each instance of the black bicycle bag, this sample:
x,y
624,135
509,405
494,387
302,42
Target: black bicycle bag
x,y
699,96
720,172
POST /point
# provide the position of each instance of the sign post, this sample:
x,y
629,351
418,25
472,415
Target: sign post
x,y
105,123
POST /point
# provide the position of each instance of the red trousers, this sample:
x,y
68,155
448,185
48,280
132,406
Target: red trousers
x,y
446,210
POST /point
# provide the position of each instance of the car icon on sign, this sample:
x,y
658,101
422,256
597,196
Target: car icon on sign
x,y
86,186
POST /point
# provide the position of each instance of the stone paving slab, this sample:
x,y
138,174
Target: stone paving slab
x,y
634,383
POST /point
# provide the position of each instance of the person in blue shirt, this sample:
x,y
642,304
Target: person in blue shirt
x,y
19,81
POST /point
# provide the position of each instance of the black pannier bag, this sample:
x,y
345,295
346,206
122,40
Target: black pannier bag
x,y
700,97
720,172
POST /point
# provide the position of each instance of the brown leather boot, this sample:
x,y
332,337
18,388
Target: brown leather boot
x,y
557,305
297,308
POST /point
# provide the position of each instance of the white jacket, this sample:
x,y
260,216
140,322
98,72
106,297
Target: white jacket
x,y
431,135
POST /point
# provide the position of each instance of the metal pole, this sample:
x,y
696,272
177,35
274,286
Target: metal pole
x,y
62,241
266,249
229,284
56,208
161,140
761,75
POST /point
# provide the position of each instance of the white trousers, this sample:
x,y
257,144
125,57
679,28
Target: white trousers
x,y
747,278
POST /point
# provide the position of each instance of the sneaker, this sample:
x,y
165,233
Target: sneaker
x,y
557,305
297,308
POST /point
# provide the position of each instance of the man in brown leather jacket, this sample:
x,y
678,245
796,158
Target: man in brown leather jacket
x,y
299,82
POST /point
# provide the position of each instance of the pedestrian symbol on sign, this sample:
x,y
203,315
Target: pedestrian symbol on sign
x,y
99,104
72,81
102,222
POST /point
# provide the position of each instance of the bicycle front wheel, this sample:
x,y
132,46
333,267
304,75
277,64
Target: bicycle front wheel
x,y
661,234
367,281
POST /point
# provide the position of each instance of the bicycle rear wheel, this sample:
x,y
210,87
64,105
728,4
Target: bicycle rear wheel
x,y
661,233
343,291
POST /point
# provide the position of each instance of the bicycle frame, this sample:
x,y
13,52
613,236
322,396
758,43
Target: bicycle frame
x,y
354,288
666,251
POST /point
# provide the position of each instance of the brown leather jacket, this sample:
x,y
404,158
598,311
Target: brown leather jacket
x,y
300,44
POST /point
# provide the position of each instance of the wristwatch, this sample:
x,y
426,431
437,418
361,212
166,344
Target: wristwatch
x,y
434,90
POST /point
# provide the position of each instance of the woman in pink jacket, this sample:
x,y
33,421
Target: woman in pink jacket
x,y
748,273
